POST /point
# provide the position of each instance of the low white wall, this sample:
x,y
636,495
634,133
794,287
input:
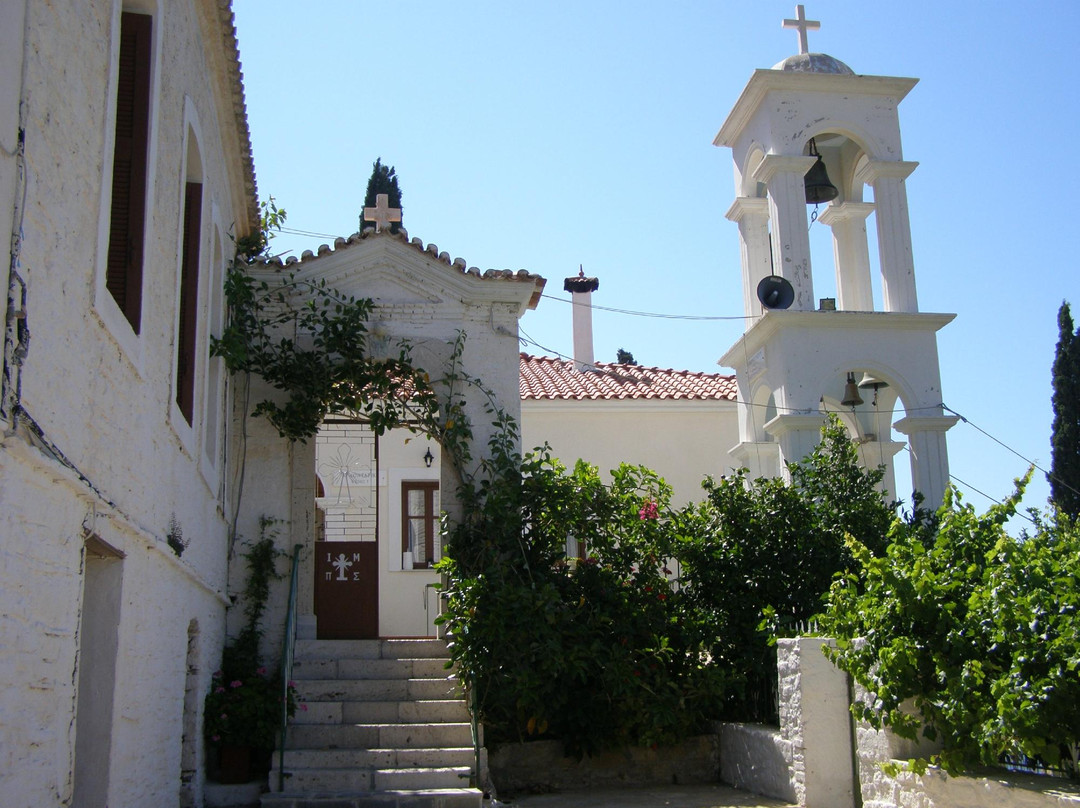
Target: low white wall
x,y
808,760
756,758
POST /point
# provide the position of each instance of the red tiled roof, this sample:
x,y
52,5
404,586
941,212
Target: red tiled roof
x,y
402,235
543,377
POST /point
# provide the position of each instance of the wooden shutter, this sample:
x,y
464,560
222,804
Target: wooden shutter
x,y
189,301
128,212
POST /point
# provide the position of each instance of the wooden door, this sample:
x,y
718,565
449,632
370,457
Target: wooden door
x,y
347,590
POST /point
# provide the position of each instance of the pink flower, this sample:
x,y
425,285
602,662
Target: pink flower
x,y
648,511
224,716
261,671
219,690
215,738
292,683
236,683
303,708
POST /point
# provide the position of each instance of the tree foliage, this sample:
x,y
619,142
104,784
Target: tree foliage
x,y
978,630
1064,474
766,548
620,648
384,180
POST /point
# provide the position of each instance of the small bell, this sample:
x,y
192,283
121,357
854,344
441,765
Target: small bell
x,y
816,181
851,393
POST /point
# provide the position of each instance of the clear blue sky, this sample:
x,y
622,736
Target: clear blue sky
x,y
545,135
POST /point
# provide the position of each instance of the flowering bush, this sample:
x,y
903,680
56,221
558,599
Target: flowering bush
x,y
246,711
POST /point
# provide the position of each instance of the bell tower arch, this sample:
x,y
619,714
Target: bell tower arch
x,y
807,138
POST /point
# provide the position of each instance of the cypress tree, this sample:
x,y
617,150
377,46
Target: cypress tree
x,y
384,180
1064,474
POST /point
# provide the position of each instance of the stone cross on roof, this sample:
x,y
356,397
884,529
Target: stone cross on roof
x,y
382,214
803,25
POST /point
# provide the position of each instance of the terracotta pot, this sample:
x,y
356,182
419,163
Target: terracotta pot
x,y
234,764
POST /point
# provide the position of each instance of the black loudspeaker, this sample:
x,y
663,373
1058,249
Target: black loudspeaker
x,y
775,292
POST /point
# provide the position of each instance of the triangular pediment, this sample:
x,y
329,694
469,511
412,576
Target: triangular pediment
x,y
398,273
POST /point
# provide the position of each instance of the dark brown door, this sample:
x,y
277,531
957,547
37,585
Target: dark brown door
x,y
347,590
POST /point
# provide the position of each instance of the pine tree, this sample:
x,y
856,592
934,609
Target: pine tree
x,y
384,180
625,358
1064,474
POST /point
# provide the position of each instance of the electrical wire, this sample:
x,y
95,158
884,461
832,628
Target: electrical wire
x,y
634,313
292,231
1030,462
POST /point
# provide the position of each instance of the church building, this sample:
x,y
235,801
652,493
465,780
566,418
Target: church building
x,y
129,465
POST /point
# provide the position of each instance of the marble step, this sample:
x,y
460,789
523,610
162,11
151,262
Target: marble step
x,y
378,736
316,690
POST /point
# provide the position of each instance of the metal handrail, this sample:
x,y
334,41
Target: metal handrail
x,y
288,648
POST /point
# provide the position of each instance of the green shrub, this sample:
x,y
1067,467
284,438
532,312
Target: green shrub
x,y
980,630
592,651
768,549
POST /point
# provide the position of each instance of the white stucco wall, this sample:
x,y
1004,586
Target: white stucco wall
x,y
100,449
682,441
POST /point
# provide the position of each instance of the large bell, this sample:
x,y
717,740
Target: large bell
x,y
818,187
851,393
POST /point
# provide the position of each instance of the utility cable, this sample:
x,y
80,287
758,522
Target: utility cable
x,y
1049,475
634,313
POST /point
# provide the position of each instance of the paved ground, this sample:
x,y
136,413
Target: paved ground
x,y
698,796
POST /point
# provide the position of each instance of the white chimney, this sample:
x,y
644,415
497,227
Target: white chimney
x,y
581,289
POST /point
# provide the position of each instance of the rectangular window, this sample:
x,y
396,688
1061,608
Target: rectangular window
x,y
189,301
419,520
127,219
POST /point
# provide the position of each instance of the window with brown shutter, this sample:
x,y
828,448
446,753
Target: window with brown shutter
x,y
189,301
124,263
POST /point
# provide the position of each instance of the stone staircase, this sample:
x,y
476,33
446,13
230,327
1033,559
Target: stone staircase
x,y
385,725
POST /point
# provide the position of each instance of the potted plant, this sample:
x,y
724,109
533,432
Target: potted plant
x,y
245,706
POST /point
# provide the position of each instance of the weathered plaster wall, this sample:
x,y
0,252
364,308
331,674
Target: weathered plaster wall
x,y
101,449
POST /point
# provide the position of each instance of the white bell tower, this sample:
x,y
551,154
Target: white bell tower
x,y
794,362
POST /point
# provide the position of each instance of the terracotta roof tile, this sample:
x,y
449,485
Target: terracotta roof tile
x,y
543,377
403,236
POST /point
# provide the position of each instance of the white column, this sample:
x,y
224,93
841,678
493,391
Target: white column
x,y
929,455
783,175
815,718
752,216
851,252
894,231
797,436
759,458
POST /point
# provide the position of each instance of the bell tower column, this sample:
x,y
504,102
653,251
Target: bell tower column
x,y
783,176
851,253
752,216
894,231
930,454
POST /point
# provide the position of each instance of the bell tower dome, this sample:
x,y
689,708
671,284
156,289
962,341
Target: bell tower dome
x,y
811,129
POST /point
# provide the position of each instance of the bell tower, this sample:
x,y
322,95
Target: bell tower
x,y
805,131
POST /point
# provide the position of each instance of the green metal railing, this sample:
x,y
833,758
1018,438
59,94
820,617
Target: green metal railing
x,y
288,648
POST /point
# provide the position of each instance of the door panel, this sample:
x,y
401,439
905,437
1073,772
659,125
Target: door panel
x,y
347,590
